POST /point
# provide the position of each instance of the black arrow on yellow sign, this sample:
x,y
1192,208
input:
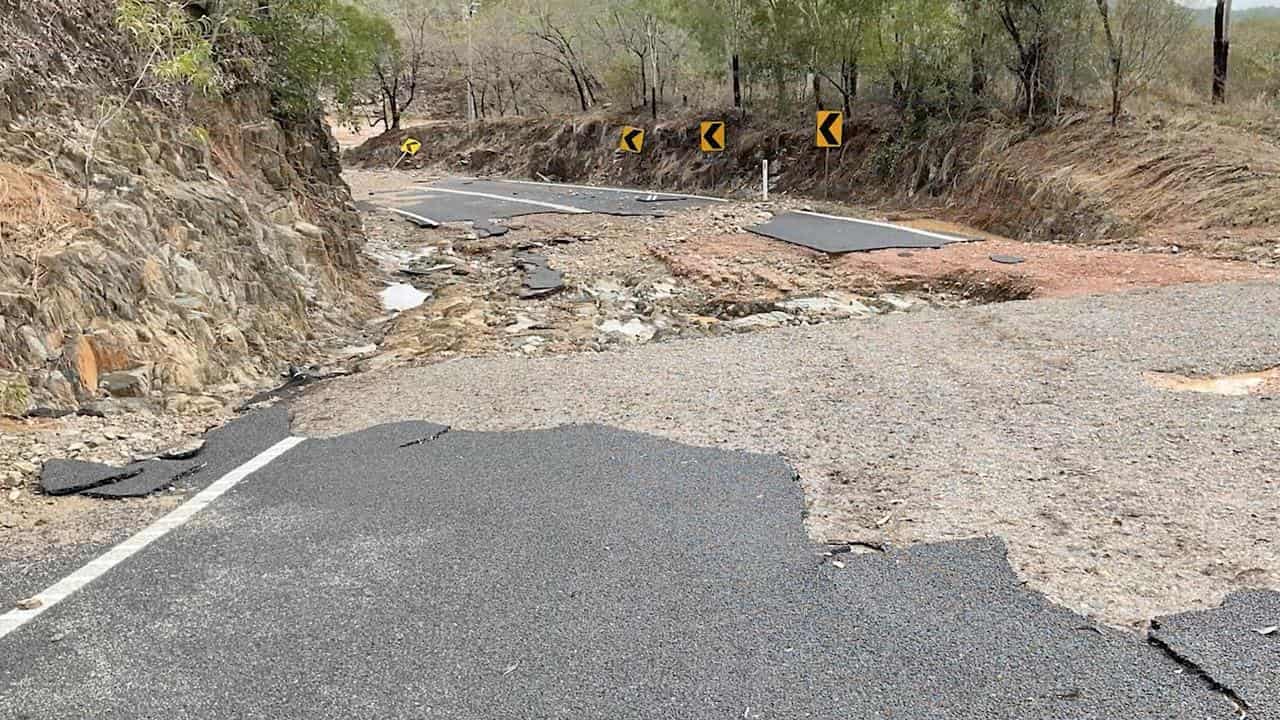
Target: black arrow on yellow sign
x,y
830,128
712,136
632,139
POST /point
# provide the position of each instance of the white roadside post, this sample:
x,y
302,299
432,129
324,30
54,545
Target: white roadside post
x,y
472,7
764,179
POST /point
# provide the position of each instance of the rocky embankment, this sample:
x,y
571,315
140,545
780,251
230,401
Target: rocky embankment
x,y
155,247
163,255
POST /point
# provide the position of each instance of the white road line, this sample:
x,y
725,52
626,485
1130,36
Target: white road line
x,y
629,191
416,217
561,208
904,228
65,587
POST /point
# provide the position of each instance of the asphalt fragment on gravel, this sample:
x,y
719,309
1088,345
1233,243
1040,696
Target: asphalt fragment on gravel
x,y
68,477
223,449
637,578
1231,648
836,236
540,279
1007,259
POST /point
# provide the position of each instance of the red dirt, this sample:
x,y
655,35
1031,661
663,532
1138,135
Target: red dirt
x,y
1048,270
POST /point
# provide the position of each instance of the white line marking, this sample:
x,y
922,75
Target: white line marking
x,y
414,216
904,228
630,191
64,588
562,208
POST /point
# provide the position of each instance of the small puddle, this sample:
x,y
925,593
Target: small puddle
x,y
401,296
1261,382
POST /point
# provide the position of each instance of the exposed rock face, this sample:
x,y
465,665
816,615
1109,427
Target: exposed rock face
x,y
208,245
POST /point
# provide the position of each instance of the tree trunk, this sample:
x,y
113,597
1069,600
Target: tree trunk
x,y
977,71
817,90
737,81
1036,78
1221,49
1114,61
582,92
644,79
977,53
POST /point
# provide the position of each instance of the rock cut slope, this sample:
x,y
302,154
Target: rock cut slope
x,y
152,240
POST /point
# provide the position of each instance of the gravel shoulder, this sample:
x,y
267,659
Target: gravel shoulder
x,y
1026,420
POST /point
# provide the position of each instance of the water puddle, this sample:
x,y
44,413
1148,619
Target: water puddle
x,y
1261,382
401,296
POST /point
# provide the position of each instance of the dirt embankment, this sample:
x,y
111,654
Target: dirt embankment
x,y
1186,182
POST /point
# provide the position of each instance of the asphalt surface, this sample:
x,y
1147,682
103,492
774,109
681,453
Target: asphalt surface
x,y
1236,646
408,572
477,200
837,235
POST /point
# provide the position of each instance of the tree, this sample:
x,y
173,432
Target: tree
x,y
398,68
1028,24
919,46
1221,49
720,27
1139,36
560,44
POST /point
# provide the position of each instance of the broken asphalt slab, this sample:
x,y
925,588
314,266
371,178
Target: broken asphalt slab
x,y
838,235
539,278
68,477
1231,647
224,448
575,572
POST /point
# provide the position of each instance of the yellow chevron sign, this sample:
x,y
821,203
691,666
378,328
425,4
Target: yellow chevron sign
x,y
830,126
631,140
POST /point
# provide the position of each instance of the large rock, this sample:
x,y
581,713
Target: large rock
x,y
134,383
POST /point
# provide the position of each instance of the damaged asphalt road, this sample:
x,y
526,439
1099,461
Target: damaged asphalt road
x,y
480,201
407,571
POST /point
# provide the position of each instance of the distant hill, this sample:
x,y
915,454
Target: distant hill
x,y
1205,16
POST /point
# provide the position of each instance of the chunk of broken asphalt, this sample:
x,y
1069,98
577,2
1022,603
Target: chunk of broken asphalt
x,y
539,279
1007,259
485,230
145,478
222,450
843,235
66,477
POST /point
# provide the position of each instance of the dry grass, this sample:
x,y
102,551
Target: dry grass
x,y
37,212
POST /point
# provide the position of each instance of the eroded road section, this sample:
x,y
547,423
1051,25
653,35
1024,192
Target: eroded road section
x,y
407,572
